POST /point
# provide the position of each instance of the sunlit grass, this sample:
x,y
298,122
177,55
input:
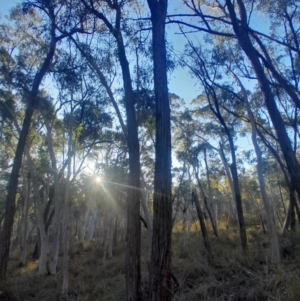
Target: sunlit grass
x,y
29,267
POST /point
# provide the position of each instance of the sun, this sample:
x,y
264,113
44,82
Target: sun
x,y
98,179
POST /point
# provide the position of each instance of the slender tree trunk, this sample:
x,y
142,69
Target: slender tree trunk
x,y
133,237
281,198
25,220
229,177
212,204
14,176
84,222
274,245
92,223
242,34
274,248
287,220
160,273
65,269
205,203
106,225
202,223
144,201
54,250
293,218
234,173
39,214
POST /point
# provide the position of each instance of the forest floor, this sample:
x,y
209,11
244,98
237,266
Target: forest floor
x,y
230,276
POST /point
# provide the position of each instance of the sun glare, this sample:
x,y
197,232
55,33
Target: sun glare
x,y
97,179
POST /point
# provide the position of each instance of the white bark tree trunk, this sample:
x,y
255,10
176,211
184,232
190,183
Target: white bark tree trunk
x,y
144,201
54,249
92,223
25,219
274,245
229,177
39,214
84,222
65,285
107,234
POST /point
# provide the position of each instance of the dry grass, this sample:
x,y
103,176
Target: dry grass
x,y
231,275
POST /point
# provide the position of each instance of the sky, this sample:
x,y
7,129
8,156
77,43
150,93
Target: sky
x,y
180,81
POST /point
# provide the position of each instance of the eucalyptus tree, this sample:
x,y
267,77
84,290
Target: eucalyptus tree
x,y
109,16
160,274
278,123
273,56
275,254
30,91
189,157
188,150
215,97
274,245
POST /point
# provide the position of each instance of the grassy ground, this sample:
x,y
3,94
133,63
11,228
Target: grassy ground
x,y
231,275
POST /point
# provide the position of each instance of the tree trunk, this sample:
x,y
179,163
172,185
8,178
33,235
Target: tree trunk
x,y
202,223
233,169
54,250
92,223
229,177
39,215
274,245
240,29
160,273
144,201
133,237
212,204
205,203
14,176
25,220
65,269
83,224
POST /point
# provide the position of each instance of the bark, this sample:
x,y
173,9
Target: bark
x,y
39,214
110,240
202,223
229,177
107,235
57,202
10,208
274,245
233,169
133,237
241,31
65,269
205,203
160,273
289,89
25,220
144,201
115,234
281,198
293,218
47,222
83,224
92,223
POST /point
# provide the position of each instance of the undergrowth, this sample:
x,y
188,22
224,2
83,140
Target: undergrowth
x,y
228,275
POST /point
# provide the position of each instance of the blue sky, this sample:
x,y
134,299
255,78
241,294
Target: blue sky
x,y
180,81
5,5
